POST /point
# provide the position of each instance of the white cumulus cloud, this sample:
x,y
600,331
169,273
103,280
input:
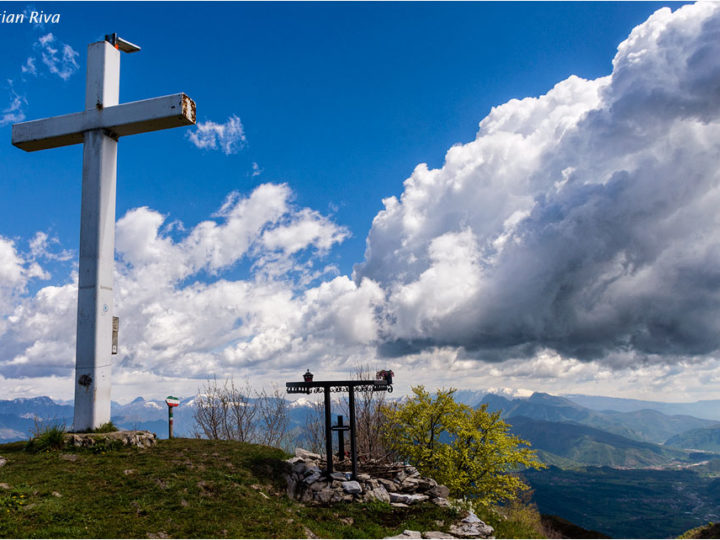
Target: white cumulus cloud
x,y
583,221
228,137
59,58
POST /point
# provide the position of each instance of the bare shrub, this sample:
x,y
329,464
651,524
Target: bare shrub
x,y
229,412
369,418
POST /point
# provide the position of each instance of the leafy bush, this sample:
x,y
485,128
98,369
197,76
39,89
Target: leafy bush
x,y
44,438
468,450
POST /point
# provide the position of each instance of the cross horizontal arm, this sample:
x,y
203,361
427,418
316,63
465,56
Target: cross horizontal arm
x,y
119,120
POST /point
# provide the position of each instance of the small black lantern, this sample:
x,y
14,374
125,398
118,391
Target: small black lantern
x,y
307,376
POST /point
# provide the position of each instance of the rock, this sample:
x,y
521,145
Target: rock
x,y
324,496
294,460
411,471
292,487
299,468
3,485
351,487
312,478
69,457
312,470
399,505
3,461
388,484
127,472
306,455
471,526
347,521
439,491
407,533
381,494
347,498
362,477
409,485
141,439
400,476
426,484
442,502
471,518
309,533
56,494
436,534
338,476
408,498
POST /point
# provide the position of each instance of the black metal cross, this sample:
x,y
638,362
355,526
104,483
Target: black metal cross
x,y
309,386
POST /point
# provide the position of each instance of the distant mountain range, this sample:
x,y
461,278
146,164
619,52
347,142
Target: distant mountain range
x,y
707,439
566,433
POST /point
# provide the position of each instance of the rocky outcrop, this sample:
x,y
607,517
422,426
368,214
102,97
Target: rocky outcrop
x,y
397,484
403,485
141,439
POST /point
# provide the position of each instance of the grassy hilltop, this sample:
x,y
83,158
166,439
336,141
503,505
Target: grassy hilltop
x,y
181,488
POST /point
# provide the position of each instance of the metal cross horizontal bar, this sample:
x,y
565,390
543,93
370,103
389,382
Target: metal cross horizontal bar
x,y
119,120
301,387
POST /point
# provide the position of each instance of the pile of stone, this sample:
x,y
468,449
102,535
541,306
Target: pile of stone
x,y
141,439
398,484
470,526
308,484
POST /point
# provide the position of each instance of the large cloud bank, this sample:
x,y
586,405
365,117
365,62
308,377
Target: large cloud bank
x,y
579,229
583,221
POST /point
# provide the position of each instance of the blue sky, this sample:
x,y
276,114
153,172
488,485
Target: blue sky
x,y
334,105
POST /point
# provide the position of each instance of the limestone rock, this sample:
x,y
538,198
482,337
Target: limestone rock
x,y
388,484
409,485
471,527
381,494
351,487
407,533
442,502
439,491
408,498
325,496
338,476
306,455
437,534
3,461
312,478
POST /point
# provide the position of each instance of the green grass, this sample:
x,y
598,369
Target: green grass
x,y
181,488
47,438
107,427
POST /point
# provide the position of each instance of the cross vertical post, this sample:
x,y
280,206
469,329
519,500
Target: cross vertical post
x,y
328,432
97,245
353,440
98,128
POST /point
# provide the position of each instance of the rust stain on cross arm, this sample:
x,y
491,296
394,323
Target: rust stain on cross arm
x,y
188,108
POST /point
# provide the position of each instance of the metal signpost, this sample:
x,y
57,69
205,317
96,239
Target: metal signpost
x,y
382,384
171,402
98,128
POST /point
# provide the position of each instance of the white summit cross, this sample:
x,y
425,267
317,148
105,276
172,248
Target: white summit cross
x,y
98,128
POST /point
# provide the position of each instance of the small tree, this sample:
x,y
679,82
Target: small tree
x,y
468,450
